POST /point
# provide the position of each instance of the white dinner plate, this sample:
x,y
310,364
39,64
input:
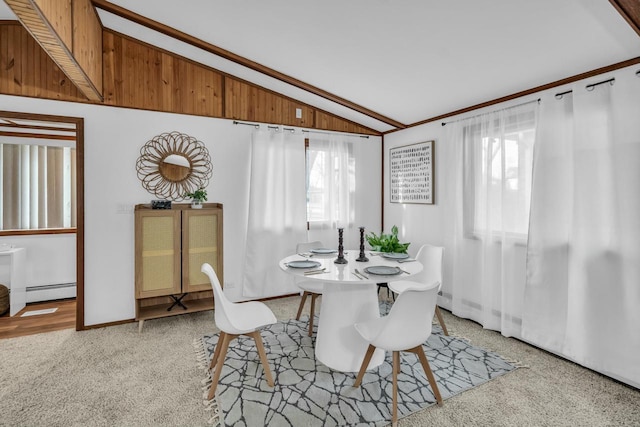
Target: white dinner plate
x,y
395,255
383,270
323,251
303,264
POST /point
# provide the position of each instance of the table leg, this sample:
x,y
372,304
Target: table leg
x,y
338,345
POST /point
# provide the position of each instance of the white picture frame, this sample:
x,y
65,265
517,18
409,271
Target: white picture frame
x,y
411,173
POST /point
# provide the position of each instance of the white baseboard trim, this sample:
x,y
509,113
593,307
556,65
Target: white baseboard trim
x,y
51,292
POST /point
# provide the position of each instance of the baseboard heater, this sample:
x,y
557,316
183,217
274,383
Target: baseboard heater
x,y
51,292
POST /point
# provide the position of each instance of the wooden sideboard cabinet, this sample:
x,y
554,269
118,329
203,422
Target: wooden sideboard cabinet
x,y
170,247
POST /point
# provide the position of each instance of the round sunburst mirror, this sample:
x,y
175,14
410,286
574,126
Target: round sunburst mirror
x,y
172,164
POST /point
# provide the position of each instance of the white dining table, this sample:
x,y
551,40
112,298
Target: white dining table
x,y
347,299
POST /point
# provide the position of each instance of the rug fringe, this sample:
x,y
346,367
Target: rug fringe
x,y
202,362
515,362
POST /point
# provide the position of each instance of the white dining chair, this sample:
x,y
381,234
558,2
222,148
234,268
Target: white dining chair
x,y
233,320
431,258
309,287
405,328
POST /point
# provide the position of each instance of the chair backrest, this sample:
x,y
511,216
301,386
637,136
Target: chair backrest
x,y
431,258
408,324
223,305
307,246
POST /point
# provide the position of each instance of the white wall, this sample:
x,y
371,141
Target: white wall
x,y
113,137
51,258
417,223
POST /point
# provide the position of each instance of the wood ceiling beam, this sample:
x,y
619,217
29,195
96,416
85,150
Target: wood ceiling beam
x,y
41,29
630,11
218,51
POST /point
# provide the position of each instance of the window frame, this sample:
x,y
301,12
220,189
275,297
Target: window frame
x,y
470,229
321,224
46,134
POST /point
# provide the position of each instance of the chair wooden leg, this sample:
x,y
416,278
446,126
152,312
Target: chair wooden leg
x,y
365,363
396,370
263,356
312,313
427,370
441,320
216,374
216,352
302,301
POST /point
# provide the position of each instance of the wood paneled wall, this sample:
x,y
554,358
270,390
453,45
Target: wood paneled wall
x,y
328,121
27,70
138,75
50,22
248,102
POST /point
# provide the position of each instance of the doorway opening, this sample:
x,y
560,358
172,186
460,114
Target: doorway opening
x,y
41,222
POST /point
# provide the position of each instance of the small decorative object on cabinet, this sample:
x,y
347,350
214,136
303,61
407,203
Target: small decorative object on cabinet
x,y
197,198
170,247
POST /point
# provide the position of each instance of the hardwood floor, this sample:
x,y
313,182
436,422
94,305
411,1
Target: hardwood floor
x,y
63,318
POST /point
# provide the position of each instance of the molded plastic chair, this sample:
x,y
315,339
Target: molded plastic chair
x,y
309,287
431,258
235,319
405,328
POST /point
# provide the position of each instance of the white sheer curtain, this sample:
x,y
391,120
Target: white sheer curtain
x,y
582,294
488,201
277,211
331,185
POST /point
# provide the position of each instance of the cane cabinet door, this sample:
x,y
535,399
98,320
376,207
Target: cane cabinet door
x,y
201,242
157,252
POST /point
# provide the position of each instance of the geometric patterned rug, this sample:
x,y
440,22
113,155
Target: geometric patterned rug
x,y
309,394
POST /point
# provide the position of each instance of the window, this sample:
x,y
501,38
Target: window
x,y
37,185
498,159
330,182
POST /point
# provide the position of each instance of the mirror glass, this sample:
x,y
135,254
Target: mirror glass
x,y
174,168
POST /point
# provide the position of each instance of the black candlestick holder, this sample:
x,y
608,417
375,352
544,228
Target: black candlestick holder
x,y
362,257
340,259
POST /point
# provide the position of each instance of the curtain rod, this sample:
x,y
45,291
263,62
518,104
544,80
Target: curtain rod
x,y
591,86
257,126
481,114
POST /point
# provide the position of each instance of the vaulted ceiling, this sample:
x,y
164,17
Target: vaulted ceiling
x,y
400,61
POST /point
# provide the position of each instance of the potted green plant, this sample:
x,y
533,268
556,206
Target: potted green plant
x,y
387,242
197,197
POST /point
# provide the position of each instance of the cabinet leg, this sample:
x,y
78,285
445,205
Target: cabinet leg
x,y
140,323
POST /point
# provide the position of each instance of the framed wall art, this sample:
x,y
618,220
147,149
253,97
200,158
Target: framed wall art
x,y
411,173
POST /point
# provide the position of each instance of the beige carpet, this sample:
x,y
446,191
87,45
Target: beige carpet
x,y
117,377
